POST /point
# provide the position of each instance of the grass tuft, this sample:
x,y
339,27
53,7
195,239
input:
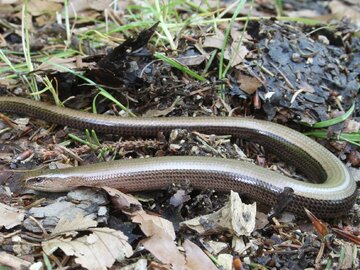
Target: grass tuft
x,y
32,85
102,91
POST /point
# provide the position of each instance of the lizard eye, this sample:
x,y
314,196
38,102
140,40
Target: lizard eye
x,y
35,180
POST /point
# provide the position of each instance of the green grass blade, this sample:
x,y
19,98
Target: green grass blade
x,y
227,34
335,120
159,14
353,138
236,51
209,63
88,136
26,47
179,66
95,137
79,140
102,91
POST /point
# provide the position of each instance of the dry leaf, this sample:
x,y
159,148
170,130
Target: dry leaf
x,y
67,225
122,201
238,244
77,6
319,226
164,112
179,198
248,84
347,262
164,249
192,60
215,41
261,220
21,123
214,247
13,261
83,5
160,232
234,54
7,2
347,235
10,216
151,225
97,250
341,9
351,126
237,33
141,264
304,13
39,7
70,63
196,258
99,5
235,217
226,261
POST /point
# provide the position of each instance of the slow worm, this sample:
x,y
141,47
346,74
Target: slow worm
x,y
330,191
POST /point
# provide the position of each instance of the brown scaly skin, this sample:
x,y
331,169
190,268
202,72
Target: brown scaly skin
x,y
331,193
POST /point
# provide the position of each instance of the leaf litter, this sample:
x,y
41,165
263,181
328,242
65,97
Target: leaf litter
x,y
97,250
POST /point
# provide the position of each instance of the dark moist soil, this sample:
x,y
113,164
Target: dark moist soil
x,y
323,64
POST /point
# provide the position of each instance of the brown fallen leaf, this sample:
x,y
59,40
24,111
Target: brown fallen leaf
x,y
319,226
70,63
214,247
193,60
12,261
235,55
342,8
248,84
236,217
39,7
8,2
69,226
214,41
164,112
196,258
226,261
84,5
100,5
179,198
149,224
10,216
232,53
351,126
140,264
346,235
153,265
303,13
261,220
122,201
160,232
97,250
163,247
